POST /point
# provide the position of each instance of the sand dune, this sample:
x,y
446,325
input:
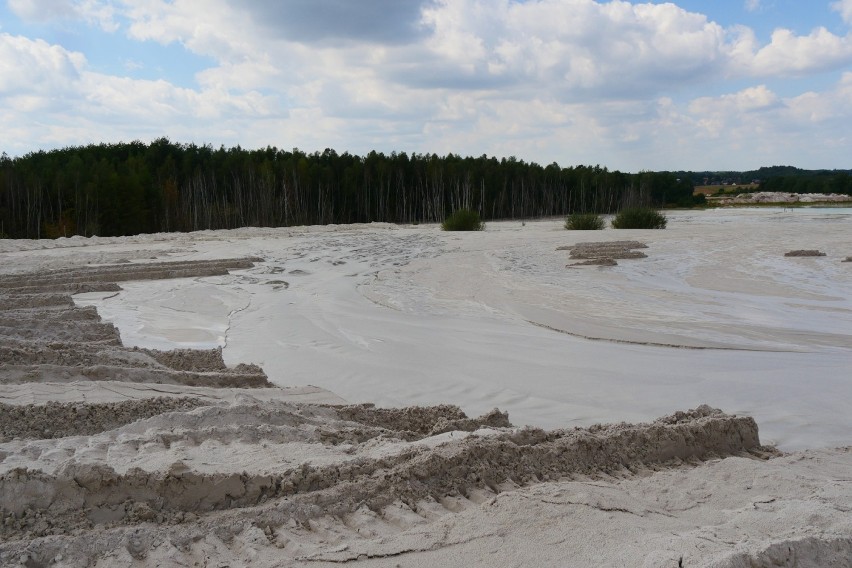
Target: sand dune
x,y
206,399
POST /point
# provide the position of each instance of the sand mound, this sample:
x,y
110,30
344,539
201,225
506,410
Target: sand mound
x,y
779,197
415,422
604,253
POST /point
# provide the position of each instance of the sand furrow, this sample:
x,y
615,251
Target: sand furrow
x,y
53,502
123,272
47,339
20,374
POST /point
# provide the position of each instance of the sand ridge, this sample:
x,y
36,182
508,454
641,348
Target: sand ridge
x,y
81,499
47,338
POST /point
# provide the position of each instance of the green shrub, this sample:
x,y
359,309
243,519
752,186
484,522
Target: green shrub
x,y
584,222
639,218
463,220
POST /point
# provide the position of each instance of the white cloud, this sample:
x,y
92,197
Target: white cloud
x,y
160,102
47,92
811,128
94,12
42,10
844,7
833,106
567,80
571,50
578,49
788,54
574,45
752,5
217,30
102,14
715,115
735,104
36,67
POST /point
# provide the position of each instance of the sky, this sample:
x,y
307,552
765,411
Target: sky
x,y
682,85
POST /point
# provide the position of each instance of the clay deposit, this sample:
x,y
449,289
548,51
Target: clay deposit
x,y
157,407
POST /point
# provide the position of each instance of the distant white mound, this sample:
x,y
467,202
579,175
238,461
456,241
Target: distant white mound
x,y
781,197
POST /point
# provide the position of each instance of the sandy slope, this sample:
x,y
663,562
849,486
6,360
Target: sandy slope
x,y
119,451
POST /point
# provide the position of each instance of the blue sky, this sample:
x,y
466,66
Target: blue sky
x,y
800,16
689,84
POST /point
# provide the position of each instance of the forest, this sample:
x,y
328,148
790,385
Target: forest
x,y
779,178
162,186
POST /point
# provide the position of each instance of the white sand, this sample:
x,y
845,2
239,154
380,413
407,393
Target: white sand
x,y
411,315
403,316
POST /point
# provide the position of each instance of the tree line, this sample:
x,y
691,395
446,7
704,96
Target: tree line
x,y
131,188
779,178
813,182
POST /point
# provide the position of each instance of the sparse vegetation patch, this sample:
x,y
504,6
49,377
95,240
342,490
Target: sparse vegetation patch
x,y
639,218
584,222
463,220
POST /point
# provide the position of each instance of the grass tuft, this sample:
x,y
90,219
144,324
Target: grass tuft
x,y
463,220
639,218
584,222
